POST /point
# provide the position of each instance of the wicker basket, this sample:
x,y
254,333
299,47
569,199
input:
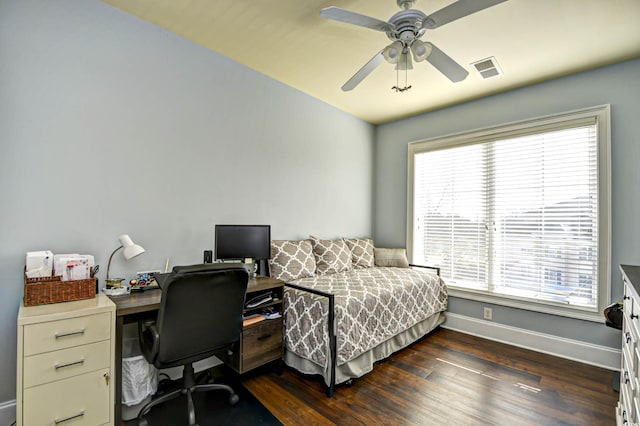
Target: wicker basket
x,y
41,291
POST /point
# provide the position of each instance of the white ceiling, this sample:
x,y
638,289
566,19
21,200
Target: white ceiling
x,y
532,40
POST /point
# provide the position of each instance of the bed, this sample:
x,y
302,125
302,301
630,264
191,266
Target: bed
x,y
339,324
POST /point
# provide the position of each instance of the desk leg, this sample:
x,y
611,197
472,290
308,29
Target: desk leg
x,y
118,372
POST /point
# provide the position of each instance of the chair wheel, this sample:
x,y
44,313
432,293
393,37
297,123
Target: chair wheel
x,y
234,399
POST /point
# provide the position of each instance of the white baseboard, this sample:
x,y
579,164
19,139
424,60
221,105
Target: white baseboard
x,y
587,353
7,412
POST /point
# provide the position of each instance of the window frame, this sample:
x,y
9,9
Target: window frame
x,y
602,117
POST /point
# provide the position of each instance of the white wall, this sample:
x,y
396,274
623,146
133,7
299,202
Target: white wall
x,y
111,125
616,85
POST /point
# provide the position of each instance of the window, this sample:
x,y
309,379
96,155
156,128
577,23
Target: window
x,y
517,214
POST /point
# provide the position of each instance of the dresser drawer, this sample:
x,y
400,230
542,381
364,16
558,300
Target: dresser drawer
x,y
82,400
261,343
628,377
65,363
632,319
627,403
56,335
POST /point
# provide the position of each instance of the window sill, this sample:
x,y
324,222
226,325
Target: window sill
x,y
546,307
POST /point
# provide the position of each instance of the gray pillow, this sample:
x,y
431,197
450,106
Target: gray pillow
x,y
332,256
291,260
361,252
395,257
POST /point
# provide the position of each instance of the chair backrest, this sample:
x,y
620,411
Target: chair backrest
x,y
200,313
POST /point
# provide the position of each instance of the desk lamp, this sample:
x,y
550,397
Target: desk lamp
x,y
131,250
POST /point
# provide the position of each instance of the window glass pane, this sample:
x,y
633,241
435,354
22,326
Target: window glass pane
x,y
515,216
545,216
450,229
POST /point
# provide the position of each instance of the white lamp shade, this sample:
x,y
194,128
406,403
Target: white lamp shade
x,y
420,50
131,249
404,63
393,52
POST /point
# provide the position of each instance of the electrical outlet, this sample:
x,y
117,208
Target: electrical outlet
x,y
488,313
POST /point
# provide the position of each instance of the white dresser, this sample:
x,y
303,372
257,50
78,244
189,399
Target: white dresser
x,y
66,363
628,410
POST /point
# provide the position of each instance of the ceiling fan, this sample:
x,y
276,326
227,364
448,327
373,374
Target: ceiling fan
x,y
405,29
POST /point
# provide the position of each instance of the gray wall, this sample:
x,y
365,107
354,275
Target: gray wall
x,y
616,85
111,125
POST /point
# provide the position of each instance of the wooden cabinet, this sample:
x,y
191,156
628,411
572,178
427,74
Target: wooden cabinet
x,y
66,363
628,409
262,342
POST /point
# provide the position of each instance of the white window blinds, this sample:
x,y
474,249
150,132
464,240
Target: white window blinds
x,y
515,214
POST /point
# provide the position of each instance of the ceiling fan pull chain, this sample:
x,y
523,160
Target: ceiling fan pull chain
x,y
406,73
397,86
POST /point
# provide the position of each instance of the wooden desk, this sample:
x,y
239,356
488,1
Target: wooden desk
x,y
143,305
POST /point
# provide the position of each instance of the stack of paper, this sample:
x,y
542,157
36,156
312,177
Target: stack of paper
x,y
73,266
39,264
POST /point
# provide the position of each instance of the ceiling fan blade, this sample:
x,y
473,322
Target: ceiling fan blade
x,y
457,10
447,66
363,72
343,15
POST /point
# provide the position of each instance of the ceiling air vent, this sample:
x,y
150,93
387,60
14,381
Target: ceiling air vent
x,y
487,68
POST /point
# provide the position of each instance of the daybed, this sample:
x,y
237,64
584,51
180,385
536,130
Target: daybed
x,y
348,304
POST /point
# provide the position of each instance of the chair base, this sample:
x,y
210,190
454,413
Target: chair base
x,y
188,388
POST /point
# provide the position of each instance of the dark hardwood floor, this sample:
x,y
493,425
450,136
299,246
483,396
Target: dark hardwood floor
x,y
448,378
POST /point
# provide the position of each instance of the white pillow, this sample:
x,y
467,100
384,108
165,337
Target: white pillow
x,y
394,257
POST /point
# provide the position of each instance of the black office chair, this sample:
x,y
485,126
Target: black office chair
x,y
200,314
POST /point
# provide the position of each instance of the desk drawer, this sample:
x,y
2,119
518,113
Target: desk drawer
x,y
83,400
52,366
62,334
261,343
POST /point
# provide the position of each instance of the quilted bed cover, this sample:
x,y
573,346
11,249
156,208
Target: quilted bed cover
x,y
372,305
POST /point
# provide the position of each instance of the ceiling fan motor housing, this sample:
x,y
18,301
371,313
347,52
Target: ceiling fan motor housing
x,y
407,26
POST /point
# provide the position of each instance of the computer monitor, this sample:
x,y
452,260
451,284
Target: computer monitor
x,y
239,242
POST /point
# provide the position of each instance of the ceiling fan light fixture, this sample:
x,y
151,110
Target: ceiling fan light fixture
x,y
405,63
393,52
420,50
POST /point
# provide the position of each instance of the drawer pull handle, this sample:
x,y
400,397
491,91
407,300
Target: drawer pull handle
x,y
634,316
66,419
626,297
628,337
626,377
69,364
266,336
71,333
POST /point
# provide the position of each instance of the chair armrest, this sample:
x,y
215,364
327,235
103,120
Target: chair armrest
x,y
436,268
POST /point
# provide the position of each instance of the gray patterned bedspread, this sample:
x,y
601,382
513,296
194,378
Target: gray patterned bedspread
x,y
371,304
